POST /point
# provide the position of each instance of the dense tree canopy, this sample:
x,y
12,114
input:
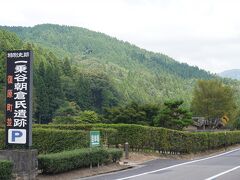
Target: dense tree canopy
x,y
131,114
173,116
212,99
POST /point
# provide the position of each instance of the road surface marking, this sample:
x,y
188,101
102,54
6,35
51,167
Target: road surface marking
x,y
181,164
222,173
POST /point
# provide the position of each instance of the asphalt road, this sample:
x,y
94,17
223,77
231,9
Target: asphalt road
x,y
225,166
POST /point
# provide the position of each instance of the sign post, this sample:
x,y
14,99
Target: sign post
x,y
19,98
18,123
94,139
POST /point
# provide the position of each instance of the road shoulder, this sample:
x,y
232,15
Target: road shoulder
x,y
135,159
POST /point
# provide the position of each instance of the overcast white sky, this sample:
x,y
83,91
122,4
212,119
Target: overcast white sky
x,y
205,33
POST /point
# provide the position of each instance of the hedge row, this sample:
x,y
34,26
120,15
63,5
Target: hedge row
x,y
6,169
78,158
51,140
54,140
161,139
107,134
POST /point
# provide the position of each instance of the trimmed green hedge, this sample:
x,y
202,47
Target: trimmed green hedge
x,y
107,134
50,140
161,139
78,158
6,169
54,140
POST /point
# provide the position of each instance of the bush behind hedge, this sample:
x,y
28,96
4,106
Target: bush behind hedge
x,y
6,169
78,158
115,154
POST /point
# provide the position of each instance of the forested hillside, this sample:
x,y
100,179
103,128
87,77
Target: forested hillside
x,y
96,71
137,74
81,44
56,81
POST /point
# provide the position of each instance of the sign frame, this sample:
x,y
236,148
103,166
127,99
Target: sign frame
x,y
19,85
95,139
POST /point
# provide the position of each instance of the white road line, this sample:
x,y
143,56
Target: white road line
x,y
181,164
222,173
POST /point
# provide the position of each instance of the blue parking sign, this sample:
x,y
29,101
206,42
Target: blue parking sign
x,y
17,136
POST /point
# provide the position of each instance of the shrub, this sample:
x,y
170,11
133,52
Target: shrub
x,y
78,158
2,117
115,154
6,169
88,117
2,138
68,109
64,120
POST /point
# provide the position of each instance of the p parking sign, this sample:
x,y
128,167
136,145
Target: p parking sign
x,y
94,138
17,136
19,98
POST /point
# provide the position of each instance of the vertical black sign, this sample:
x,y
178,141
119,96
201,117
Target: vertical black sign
x,y
19,98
